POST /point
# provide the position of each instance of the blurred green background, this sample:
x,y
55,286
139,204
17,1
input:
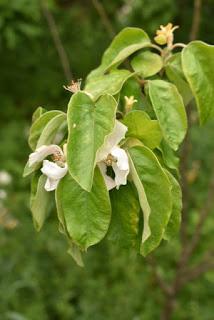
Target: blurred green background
x,y
38,279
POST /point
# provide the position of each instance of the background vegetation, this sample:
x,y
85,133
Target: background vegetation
x,y
42,46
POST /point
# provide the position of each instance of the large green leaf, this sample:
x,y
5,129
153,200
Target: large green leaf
x,y
141,127
88,125
147,63
86,214
154,191
40,201
38,126
51,129
175,74
169,108
107,84
198,66
124,44
175,217
124,225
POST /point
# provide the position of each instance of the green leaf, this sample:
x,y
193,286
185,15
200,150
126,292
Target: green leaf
x,y
147,63
88,125
28,170
175,218
175,74
50,130
154,191
141,127
169,157
128,41
124,225
198,67
107,84
38,126
169,108
86,214
40,201
76,254
38,113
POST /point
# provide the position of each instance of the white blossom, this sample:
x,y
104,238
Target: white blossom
x,y
110,154
54,170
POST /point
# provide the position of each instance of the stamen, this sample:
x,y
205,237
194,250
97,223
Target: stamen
x,y
110,159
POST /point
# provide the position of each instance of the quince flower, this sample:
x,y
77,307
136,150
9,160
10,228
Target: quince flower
x,y
54,170
110,154
129,102
165,34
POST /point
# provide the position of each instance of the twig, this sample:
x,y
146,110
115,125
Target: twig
x,y
104,17
163,285
205,210
193,273
196,19
57,41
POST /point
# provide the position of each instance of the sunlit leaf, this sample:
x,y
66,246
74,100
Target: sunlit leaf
x,y
147,63
88,125
198,66
169,108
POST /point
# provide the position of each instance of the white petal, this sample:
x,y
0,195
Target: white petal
x,y
51,184
120,175
111,140
110,183
42,152
122,158
53,171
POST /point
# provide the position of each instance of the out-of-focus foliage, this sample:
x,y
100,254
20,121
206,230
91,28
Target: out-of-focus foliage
x,y
38,280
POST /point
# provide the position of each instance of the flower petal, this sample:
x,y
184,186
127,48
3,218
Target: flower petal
x,y
111,140
110,183
51,184
122,158
53,171
42,152
120,175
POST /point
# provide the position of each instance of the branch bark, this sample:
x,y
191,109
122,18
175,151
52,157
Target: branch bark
x,y
104,17
57,41
196,20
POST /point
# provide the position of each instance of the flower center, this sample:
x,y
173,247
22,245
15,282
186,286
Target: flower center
x,y
58,157
110,159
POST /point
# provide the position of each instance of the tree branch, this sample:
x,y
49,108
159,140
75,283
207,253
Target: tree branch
x,y
196,20
195,272
57,41
104,17
205,210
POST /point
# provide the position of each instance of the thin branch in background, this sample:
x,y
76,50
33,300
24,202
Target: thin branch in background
x,y
206,264
57,41
205,210
160,281
196,20
104,17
